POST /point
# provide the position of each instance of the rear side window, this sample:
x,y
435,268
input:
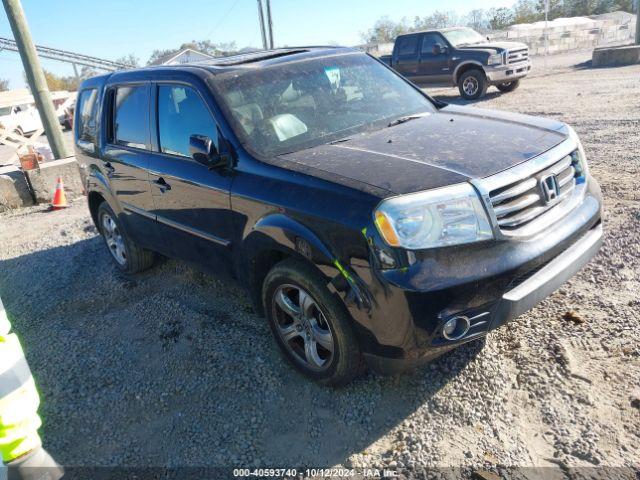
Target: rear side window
x,y
86,112
182,113
131,116
407,45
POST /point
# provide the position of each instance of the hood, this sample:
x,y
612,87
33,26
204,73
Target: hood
x,y
497,47
449,146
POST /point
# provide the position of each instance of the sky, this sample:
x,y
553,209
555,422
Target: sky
x,y
112,28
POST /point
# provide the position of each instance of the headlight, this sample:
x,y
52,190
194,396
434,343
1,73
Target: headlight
x,y
579,161
436,218
495,59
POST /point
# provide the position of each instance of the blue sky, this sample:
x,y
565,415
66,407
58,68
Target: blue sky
x,y
112,28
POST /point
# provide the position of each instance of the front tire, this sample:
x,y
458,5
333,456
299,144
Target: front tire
x,y
310,325
508,87
472,84
128,256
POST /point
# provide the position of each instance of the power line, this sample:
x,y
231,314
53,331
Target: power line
x,y
222,18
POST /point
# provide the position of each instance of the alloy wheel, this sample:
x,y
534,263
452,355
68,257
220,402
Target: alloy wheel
x,y
114,239
470,86
303,327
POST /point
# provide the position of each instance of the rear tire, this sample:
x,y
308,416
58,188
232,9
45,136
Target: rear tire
x,y
472,84
300,310
128,256
508,87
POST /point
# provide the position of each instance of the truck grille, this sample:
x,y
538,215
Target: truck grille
x,y
519,203
517,56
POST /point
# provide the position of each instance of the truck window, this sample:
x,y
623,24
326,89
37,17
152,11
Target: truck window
x,y
428,42
407,45
86,115
182,113
131,116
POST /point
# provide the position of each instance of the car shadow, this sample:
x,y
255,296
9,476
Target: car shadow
x,y
171,368
455,99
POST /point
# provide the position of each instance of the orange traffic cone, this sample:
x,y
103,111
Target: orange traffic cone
x,y
59,198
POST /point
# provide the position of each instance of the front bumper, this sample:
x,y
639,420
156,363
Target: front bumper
x,y
489,283
507,73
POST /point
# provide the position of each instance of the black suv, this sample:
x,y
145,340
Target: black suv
x,y
462,57
366,220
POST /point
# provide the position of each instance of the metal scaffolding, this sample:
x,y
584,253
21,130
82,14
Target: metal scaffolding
x,y
66,56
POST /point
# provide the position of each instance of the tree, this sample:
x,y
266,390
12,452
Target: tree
x,y
4,84
58,82
526,11
438,19
500,18
130,60
477,19
384,30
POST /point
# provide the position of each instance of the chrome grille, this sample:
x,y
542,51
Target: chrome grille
x,y
518,55
517,204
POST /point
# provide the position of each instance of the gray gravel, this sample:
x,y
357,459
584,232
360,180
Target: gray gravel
x,y
172,368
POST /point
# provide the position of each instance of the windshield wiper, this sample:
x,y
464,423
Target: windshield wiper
x,y
406,118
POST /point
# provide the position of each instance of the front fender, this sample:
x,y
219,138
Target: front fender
x,y
282,233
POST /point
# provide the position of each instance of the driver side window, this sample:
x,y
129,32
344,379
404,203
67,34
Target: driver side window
x,y
182,113
429,41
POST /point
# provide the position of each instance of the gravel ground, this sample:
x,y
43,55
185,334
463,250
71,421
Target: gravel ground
x,y
171,368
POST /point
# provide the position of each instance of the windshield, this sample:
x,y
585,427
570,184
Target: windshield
x,y
463,36
285,108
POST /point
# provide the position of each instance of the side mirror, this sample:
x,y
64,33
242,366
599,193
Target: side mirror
x,y
488,39
438,49
204,151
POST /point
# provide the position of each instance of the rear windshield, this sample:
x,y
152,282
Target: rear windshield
x,y
285,108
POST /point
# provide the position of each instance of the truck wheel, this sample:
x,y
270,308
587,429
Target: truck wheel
x,y
126,254
472,84
508,87
310,326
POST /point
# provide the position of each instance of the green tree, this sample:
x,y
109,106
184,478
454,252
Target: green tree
x,y
526,11
500,18
384,30
4,84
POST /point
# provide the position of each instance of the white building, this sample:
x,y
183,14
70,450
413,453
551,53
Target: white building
x,y
187,55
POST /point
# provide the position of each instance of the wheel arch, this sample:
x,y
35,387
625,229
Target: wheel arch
x,y
277,237
465,67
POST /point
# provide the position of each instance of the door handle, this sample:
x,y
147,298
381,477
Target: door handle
x,y
162,185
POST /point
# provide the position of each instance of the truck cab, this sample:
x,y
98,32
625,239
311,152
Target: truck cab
x,y
459,57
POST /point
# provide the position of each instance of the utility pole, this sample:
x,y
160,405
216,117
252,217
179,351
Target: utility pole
x,y
269,24
35,77
637,22
262,30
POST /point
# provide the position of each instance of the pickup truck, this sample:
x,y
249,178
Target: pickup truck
x,y
462,57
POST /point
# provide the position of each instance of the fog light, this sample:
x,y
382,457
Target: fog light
x,y
455,328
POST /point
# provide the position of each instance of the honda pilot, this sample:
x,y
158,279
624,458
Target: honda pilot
x,y
369,223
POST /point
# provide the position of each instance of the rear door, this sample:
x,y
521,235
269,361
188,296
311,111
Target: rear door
x,y
126,156
192,202
405,55
434,67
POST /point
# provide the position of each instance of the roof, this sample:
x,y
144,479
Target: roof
x,y
219,65
167,58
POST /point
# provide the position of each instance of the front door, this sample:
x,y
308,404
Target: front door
x,y
434,65
192,202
